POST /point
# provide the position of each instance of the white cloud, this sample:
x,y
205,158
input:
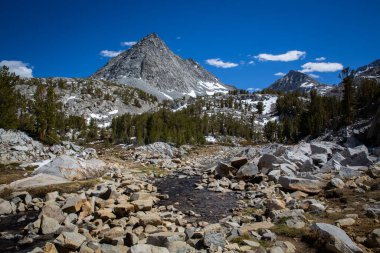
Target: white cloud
x,y
18,67
217,62
279,74
314,75
320,58
251,62
321,67
128,43
288,56
109,53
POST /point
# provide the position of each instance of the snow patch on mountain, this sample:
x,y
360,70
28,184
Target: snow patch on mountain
x,y
180,108
269,105
307,85
192,94
113,112
166,95
213,87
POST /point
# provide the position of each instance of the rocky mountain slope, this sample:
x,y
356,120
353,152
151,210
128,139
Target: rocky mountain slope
x,y
370,71
151,66
240,106
298,81
93,99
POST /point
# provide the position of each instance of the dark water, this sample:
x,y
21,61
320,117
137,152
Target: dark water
x,y
11,225
211,206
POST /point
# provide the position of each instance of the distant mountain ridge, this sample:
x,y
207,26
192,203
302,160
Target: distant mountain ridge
x,y
370,71
151,66
298,81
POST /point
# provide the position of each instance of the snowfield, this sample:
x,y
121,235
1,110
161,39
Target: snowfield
x,y
213,87
269,104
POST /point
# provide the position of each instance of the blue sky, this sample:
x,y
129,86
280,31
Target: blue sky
x,y
47,38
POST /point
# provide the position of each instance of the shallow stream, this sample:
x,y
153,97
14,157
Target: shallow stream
x,y
212,206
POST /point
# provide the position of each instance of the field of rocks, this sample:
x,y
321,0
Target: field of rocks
x,y
309,197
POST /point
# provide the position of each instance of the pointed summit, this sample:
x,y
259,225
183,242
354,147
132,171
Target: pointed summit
x,y
295,81
151,66
151,36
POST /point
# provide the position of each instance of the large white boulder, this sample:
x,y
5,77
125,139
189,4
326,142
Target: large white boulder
x,y
73,168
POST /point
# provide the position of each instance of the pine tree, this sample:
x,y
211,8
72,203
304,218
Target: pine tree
x,y
260,107
271,131
8,99
348,96
92,133
46,109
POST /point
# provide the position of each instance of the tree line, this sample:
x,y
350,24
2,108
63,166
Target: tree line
x,y
186,126
41,117
304,115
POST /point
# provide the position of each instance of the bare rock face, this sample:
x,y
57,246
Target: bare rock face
x,y
151,66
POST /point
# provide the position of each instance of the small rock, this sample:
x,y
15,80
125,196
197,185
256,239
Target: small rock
x,y
214,239
223,170
146,248
73,204
51,196
247,170
373,239
131,239
275,204
337,240
275,249
345,222
5,207
301,184
252,244
49,225
50,248
143,205
337,182
70,240
161,239
150,219
53,211
237,162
